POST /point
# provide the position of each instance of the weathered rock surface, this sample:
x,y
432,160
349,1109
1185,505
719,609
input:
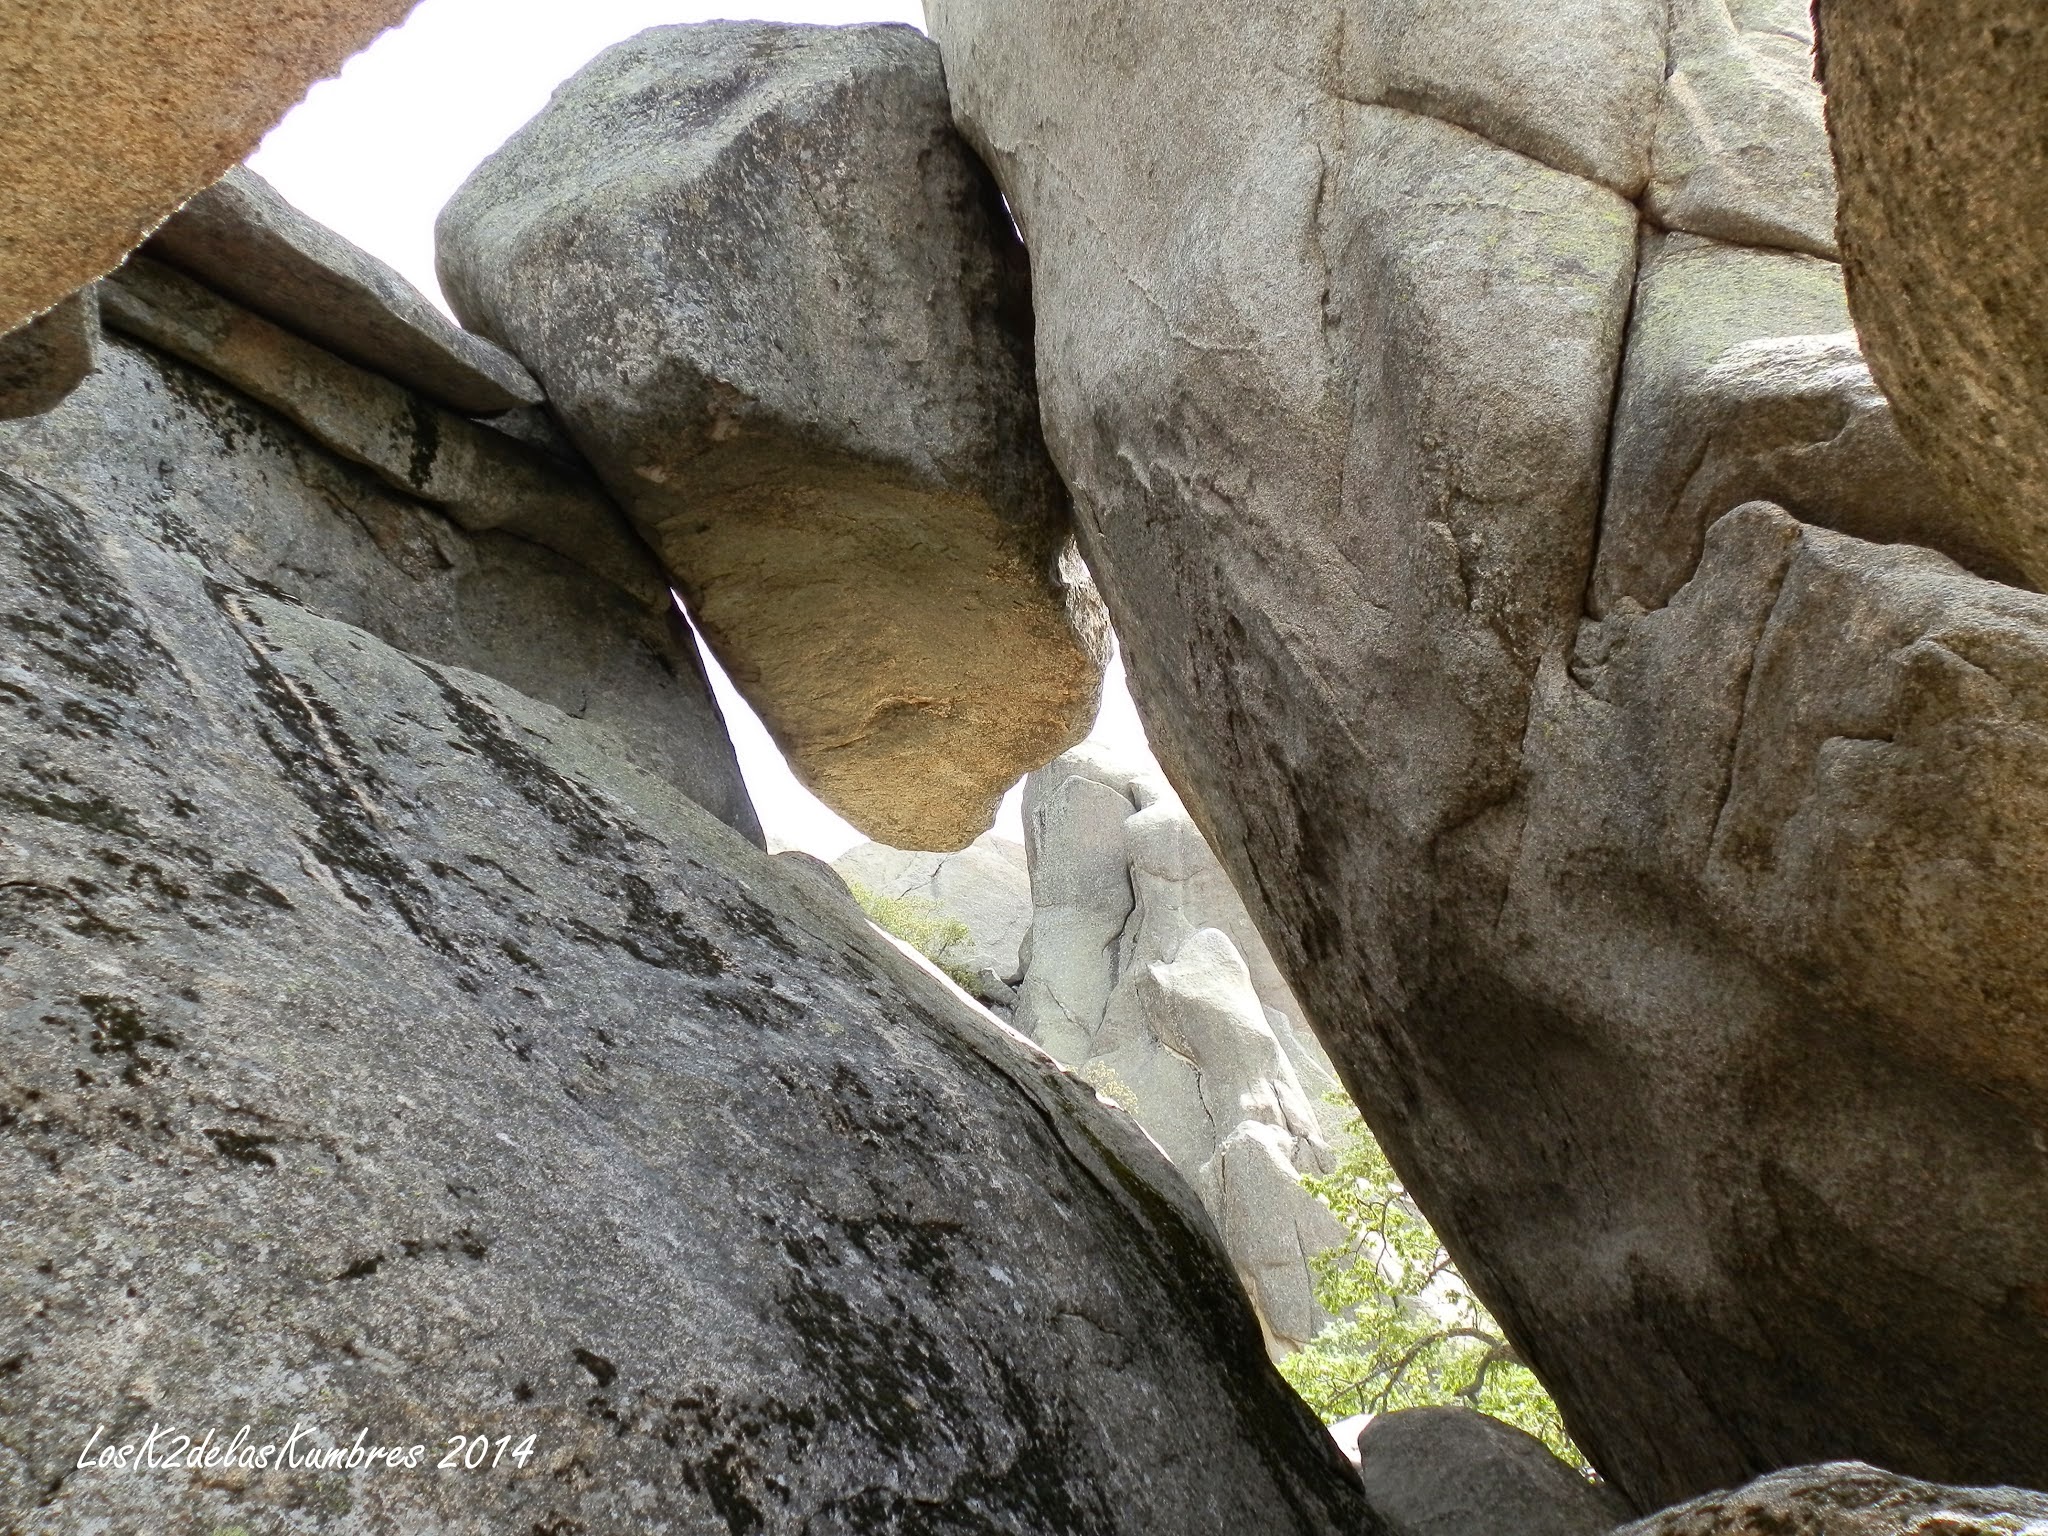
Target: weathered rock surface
x,y
1686,959
244,240
1850,1499
1741,150
474,474
1572,85
1453,1472
1940,134
214,471
1743,382
384,1052
1135,978
46,358
118,112
777,303
986,886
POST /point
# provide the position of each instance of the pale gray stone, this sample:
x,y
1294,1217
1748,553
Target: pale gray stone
x,y
779,305
986,886
1134,978
1574,85
1454,1472
1744,383
384,1051
1074,813
44,359
1252,1189
244,240
1741,148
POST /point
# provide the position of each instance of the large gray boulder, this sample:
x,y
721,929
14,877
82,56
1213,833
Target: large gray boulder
x,y
777,302
385,1053
1851,1499
274,489
1938,121
1686,958
1454,1472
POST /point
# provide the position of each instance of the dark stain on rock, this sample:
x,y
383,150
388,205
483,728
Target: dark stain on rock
x,y
319,763
426,443
119,1028
242,1148
602,1371
83,623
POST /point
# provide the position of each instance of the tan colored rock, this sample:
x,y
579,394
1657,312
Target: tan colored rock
x,y
1940,131
119,111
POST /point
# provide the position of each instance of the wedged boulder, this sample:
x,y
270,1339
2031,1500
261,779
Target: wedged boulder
x,y
384,1053
1938,125
1454,1472
776,301
1741,150
1686,959
44,359
986,887
212,470
1851,1499
117,113
244,240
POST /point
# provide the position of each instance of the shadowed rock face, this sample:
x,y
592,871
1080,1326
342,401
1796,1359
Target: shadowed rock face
x,y
383,1051
1453,1472
119,112
778,304
43,361
1939,126
1671,905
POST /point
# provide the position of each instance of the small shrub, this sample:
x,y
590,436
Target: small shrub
x,y
1407,1331
1100,1076
922,926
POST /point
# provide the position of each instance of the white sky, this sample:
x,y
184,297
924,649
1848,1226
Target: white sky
x,y
375,154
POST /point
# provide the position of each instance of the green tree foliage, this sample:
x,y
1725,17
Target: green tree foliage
x,y
922,926
1408,1333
